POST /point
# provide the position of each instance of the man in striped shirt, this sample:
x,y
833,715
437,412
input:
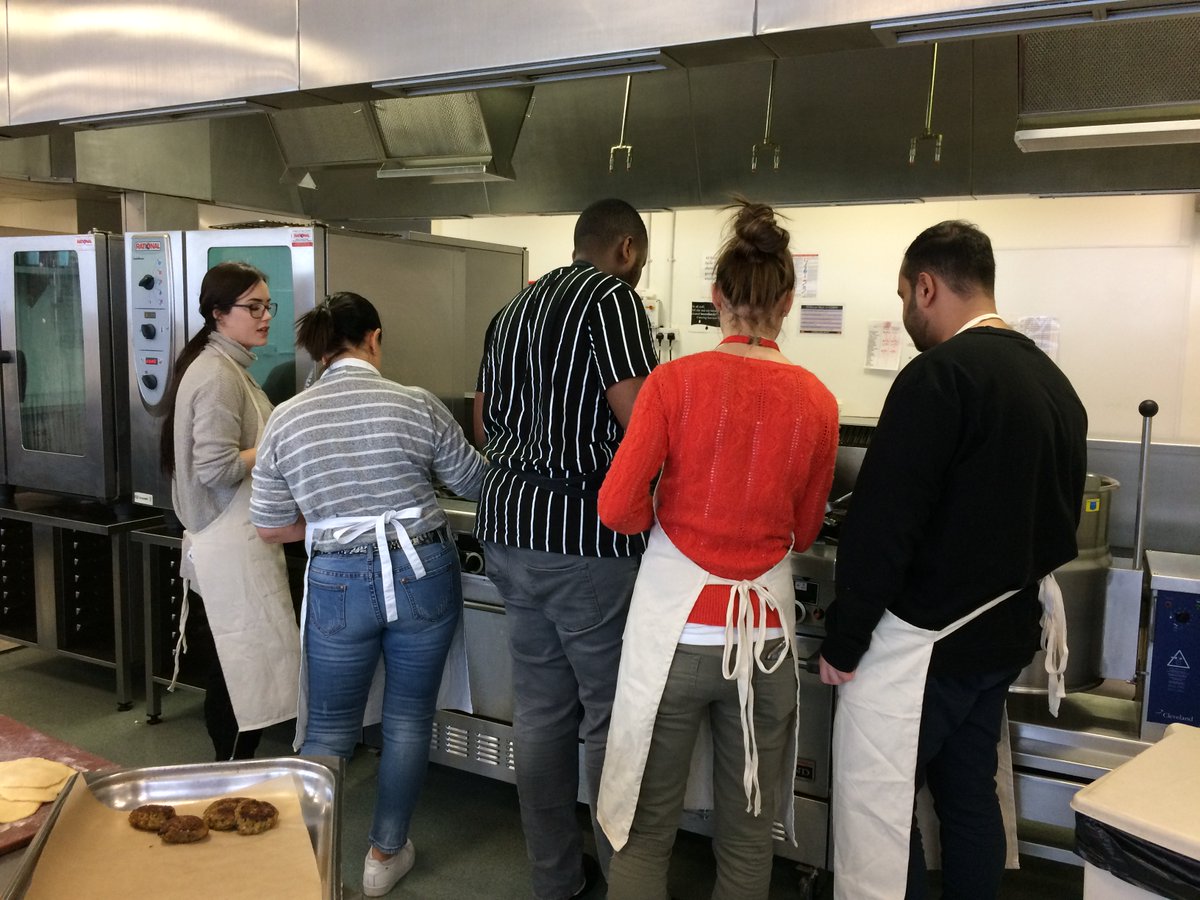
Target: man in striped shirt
x,y
563,362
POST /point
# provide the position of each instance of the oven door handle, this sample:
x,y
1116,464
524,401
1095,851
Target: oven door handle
x,y
17,356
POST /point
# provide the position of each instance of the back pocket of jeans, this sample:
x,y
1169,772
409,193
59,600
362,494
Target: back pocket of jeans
x,y
327,606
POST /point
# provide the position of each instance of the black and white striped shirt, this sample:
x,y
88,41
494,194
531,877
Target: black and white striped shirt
x,y
549,357
357,444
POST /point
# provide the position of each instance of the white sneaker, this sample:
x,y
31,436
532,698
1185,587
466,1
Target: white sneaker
x,y
380,876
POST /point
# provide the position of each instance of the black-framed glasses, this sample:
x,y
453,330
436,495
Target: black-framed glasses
x,y
256,310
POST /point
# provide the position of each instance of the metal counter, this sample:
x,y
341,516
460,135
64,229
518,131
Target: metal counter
x,y
67,585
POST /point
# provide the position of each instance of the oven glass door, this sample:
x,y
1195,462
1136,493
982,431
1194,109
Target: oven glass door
x,y
286,257
56,424
48,308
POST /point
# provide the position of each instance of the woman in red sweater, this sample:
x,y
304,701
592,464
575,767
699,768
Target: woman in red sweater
x,y
745,441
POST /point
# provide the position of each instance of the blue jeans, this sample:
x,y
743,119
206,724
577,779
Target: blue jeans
x,y
566,616
346,633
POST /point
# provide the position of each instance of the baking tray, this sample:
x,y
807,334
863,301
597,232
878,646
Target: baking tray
x,y
318,779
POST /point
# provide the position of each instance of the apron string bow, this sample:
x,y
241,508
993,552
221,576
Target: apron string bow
x,y
347,529
738,663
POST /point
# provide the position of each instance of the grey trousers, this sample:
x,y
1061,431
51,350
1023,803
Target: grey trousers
x,y
566,615
742,842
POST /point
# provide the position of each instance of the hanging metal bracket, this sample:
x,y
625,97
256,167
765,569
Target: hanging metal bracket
x,y
928,134
622,146
766,144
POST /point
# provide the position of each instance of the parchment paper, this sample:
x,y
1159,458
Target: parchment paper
x,y
94,852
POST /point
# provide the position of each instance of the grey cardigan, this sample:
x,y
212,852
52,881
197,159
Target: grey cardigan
x,y
215,419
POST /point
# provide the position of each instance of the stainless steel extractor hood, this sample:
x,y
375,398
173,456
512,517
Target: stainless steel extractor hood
x,y
466,136
1128,84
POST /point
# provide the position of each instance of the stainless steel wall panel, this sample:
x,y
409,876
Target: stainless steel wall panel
x,y
1172,494
246,166
170,159
69,58
361,41
419,291
843,121
788,15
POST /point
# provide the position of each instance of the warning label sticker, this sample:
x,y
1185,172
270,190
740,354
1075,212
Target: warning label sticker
x,y
1178,661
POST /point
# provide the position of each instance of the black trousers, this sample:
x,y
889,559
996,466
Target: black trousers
x,y
219,719
956,757
228,742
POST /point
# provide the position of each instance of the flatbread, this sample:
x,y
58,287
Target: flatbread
x,y
41,795
33,771
25,784
16,810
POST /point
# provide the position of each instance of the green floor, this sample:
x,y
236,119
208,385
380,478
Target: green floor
x,y
466,829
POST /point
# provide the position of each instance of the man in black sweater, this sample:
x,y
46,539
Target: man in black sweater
x,y
971,488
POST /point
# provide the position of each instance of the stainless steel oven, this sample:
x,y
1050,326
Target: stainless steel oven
x,y
62,365
163,273
435,297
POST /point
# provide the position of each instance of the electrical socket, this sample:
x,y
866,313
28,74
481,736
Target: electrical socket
x,y
670,337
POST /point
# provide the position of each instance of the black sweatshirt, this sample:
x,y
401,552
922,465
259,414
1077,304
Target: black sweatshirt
x,y
971,487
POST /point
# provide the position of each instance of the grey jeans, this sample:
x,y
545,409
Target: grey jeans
x,y
742,842
566,615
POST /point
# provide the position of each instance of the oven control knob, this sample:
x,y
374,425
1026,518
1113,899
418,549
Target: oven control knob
x,y
150,381
149,331
146,281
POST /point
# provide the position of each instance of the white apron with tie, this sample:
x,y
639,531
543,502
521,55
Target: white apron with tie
x,y
875,733
667,586
248,602
455,690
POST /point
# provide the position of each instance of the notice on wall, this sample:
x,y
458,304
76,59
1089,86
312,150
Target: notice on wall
x,y
709,270
704,316
806,274
883,345
1042,330
825,319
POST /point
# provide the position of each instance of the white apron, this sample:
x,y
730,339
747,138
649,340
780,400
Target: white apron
x,y
455,690
875,733
244,583
667,586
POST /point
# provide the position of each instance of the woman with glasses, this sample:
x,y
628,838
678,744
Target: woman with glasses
x,y
348,465
215,414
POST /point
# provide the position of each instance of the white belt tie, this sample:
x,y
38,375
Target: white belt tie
x,y
742,666
347,529
1054,640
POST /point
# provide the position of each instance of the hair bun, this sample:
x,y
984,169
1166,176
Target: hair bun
x,y
755,225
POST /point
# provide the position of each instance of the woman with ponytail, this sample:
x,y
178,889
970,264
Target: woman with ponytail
x,y
215,416
743,443
348,465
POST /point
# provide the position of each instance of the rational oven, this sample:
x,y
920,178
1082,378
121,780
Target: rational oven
x,y
62,361
434,295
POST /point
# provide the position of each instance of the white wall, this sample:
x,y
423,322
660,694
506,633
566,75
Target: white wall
x,y
1121,275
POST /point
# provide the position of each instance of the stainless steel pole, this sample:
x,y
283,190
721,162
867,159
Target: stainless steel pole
x,y
1148,410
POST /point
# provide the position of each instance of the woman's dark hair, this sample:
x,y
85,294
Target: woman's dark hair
x,y
339,322
755,268
219,290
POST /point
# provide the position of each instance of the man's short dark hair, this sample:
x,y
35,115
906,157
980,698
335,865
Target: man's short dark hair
x,y
606,222
956,251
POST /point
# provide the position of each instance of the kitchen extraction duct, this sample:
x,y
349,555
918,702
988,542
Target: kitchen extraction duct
x,y
1129,85
444,138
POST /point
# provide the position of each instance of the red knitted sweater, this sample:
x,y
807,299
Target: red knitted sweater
x,y
746,450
